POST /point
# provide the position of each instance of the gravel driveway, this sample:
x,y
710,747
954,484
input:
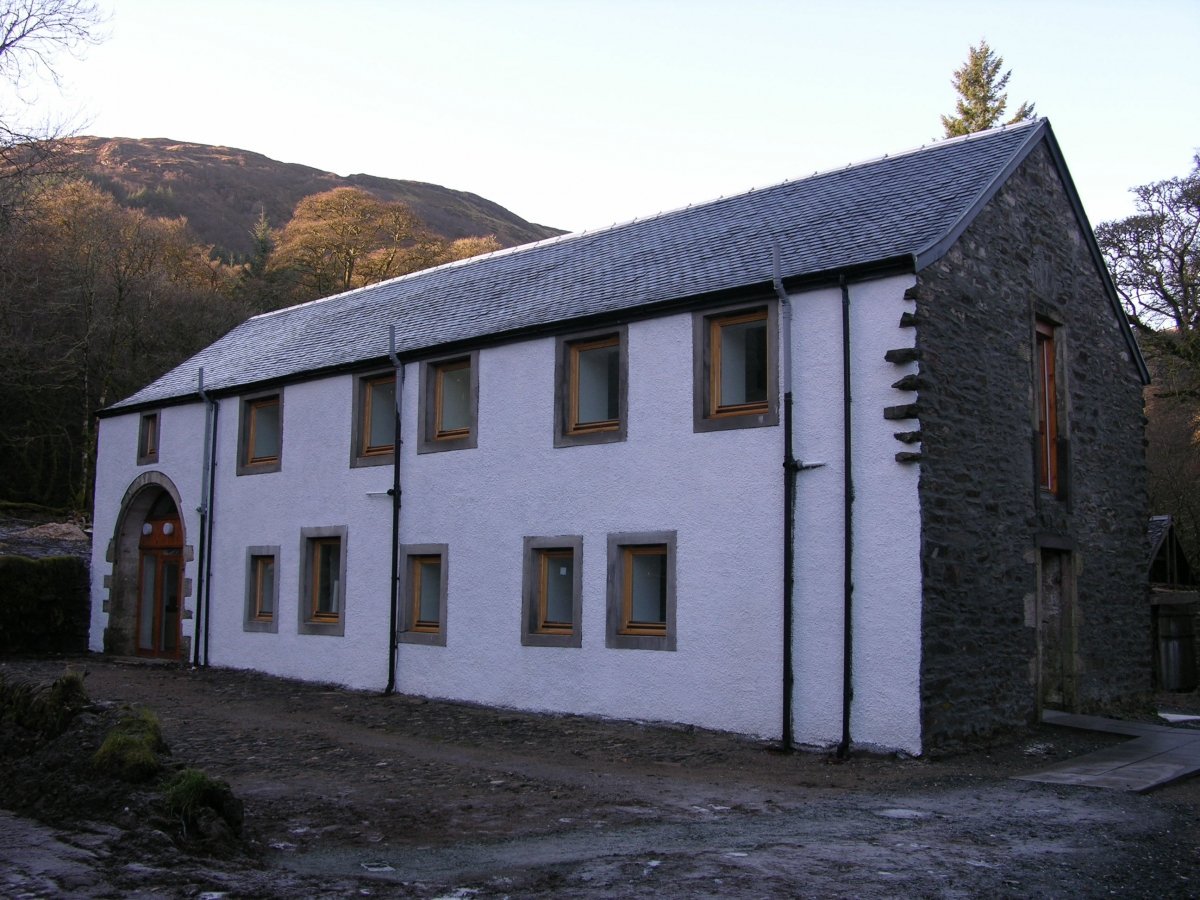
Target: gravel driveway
x,y
351,793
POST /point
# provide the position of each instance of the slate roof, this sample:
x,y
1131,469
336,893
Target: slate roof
x,y
910,205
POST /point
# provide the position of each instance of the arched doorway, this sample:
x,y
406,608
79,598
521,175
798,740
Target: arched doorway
x,y
147,590
160,580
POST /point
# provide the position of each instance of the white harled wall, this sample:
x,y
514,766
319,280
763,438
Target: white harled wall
x,y
886,608
721,492
181,442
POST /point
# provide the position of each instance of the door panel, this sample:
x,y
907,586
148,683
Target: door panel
x,y
1056,633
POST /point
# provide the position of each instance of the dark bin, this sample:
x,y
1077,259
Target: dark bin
x,y
1176,648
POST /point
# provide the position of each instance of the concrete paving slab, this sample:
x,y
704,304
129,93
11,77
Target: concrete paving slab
x,y
1155,755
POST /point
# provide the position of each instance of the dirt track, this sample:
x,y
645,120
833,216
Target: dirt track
x,y
355,794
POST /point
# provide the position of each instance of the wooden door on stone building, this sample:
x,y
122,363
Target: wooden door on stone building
x,y
1056,631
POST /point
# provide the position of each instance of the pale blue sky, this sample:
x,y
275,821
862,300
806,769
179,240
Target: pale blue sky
x,y
578,114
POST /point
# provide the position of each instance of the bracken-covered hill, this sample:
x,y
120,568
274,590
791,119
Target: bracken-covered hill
x,y
222,190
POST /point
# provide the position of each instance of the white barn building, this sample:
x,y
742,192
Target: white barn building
x,y
683,469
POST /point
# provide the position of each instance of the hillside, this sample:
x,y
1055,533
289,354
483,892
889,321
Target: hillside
x,y
221,190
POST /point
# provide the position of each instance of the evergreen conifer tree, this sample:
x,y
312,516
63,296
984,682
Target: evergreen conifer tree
x,y
981,95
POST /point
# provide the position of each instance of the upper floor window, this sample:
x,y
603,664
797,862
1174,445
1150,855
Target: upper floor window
x,y
148,439
736,384
590,389
260,445
450,404
374,420
1049,444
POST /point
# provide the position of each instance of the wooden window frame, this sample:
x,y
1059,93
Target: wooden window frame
x,y
315,613
624,633
148,437
253,619
412,629
434,438
363,453
708,412
1051,449
538,551
311,621
246,464
568,432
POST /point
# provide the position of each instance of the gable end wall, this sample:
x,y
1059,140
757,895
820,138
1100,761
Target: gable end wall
x,y
1024,255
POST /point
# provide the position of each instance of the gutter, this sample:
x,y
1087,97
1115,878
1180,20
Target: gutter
x,y
395,493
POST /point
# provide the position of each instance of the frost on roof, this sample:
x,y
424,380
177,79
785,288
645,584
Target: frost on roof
x,y
888,207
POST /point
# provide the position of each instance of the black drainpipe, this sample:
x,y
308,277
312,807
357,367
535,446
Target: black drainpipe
x,y
848,537
204,587
790,468
395,494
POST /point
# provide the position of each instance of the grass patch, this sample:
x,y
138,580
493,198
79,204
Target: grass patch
x,y
130,749
204,805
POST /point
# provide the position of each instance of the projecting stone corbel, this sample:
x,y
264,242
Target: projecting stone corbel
x,y
903,411
902,355
908,437
908,320
908,457
907,383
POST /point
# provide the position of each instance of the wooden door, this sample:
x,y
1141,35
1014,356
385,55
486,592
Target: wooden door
x,y
160,587
1056,631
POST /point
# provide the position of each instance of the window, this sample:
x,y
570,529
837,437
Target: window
x,y
374,420
323,580
641,591
148,439
1050,450
261,439
553,587
736,383
423,603
590,389
262,589
450,397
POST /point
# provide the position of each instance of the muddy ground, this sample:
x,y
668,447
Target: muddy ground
x,y
356,794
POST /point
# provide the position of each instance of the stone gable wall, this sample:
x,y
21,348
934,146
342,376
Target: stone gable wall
x,y
983,516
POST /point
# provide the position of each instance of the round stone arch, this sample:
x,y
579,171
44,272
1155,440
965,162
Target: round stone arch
x,y
122,555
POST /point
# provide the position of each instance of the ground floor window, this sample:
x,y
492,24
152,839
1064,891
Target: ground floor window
x,y
641,591
551,602
262,589
423,597
323,580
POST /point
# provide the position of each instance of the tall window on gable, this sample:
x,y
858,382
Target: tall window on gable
x,y
323,580
148,439
261,439
423,604
450,400
375,420
641,591
1049,445
590,388
551,603
735,370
